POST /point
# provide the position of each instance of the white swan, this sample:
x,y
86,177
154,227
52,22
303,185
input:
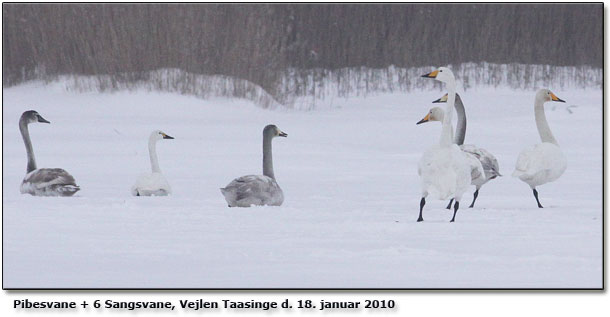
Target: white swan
x,y
153,184
477,172
444,168
543,162
257,189
42,181
488,160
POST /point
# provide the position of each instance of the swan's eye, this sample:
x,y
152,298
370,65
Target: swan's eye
x,y
441,70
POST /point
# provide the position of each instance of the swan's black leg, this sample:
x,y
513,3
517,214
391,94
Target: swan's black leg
x,y
137,193
476,194
421,208
537,200
449,206
455,209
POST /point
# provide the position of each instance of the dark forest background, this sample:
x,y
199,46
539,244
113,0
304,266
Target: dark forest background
x,y
260,42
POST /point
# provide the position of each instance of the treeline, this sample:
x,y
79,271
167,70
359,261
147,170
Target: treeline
x,y
261,42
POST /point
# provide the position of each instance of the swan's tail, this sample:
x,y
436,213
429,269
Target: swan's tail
x,y
67,190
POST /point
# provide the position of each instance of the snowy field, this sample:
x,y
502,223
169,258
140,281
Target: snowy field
x,y
349,175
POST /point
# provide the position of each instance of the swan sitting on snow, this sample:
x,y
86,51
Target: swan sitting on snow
x,y
543,162
42,181
444,168
257,190
153,184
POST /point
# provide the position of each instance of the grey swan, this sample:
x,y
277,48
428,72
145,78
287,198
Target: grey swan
x,y
257,190
42,181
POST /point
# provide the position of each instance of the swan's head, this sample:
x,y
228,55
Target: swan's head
x,y
445,97
159,135
443,74
435,114
32,116
442,99
273,131
546,95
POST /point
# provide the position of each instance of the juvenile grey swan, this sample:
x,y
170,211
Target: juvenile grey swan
x,y
258,190
42,181
153,184
488,160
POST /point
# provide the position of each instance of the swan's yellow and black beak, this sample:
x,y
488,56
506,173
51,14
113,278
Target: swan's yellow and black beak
x,y
441,99
431,75
165,136
425,119
555,98
41,119
282,134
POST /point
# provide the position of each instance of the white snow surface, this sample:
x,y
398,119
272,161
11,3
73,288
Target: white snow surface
x,y
349,176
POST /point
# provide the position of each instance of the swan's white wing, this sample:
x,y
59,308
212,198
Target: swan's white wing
x,y
539,164
253,190
153,184
445,172
49,182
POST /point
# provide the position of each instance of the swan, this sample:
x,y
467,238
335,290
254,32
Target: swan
x,y
257,189
477,173
444,168
543,162
488,161
42,181
153,184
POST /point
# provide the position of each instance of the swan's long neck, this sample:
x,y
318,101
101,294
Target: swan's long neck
x,y
152,151
447,131
25,134
460,129
267,157
543,126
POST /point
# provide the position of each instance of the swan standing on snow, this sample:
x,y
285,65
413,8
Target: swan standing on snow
x,y
42,181
477,173
257,189
488,161
444,169
153,184
543,162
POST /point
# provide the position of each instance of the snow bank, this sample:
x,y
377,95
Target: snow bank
x,y
319,88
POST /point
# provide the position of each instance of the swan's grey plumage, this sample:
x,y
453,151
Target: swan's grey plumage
x,y
543,162
42,181
154,183
258,190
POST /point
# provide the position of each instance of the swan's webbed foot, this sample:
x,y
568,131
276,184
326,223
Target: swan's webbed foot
x,y
455,209
476,194
450,202
537,200
421,208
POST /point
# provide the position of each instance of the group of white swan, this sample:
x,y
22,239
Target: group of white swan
x,y
446,169
449,167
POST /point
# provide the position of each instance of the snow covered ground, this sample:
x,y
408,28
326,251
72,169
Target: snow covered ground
x,y
349,175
